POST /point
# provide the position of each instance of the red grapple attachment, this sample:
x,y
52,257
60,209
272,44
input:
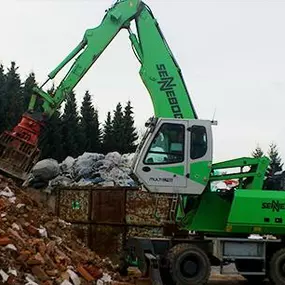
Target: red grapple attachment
x,y
19,148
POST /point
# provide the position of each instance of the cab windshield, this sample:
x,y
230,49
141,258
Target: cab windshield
x,y
167,146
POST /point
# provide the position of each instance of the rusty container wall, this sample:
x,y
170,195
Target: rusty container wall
x,y
147,232
108,206
74,204
106,217
83,232
146,209
107,240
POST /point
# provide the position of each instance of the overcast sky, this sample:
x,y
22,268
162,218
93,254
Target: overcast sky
x,y
232,55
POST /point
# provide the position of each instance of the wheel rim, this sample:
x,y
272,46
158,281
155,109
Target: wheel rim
x,y
189,266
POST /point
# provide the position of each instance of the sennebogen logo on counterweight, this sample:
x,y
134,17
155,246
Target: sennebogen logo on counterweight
x,y
276,206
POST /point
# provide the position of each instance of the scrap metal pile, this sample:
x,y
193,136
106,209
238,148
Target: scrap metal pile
x,y
38,248
112,169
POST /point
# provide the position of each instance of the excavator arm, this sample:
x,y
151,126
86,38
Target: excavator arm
x,y
159,69
159,72
94,42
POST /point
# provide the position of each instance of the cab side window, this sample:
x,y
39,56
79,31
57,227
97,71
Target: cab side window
x,y
199,142
168,145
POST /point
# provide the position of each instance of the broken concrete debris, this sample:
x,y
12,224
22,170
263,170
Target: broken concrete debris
x,y
112,169
38,248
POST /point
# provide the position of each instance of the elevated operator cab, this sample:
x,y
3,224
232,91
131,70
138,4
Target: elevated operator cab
x,y
175,156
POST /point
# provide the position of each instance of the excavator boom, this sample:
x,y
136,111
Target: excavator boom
x,y
159,72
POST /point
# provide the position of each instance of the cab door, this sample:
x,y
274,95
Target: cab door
x,y
200,155
162,162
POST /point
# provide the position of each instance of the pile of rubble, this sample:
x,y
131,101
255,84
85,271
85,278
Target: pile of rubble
x,y
38,248
112,169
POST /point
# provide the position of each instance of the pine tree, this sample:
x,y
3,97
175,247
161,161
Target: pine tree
x,y
258,152
118,128
130,133
29,84
90,126
275,159
14,97
51,138
108,139
2,99
70,128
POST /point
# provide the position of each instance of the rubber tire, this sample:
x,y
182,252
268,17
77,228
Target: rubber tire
x,y
178,253
274,272
250,265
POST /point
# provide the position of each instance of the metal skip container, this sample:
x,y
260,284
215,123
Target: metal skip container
x,y
106,217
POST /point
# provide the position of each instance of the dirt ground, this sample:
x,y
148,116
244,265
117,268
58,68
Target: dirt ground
x,y
217,279
226,279
229,281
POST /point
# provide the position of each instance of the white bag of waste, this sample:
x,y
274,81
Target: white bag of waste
x,y
46,169
115,157
116,169
85,165
66,165
91,169
60,181
127,159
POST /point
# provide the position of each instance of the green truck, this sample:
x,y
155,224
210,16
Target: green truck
x,y
175,158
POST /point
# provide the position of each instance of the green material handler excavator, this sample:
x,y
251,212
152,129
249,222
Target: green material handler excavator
x,y
205,227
